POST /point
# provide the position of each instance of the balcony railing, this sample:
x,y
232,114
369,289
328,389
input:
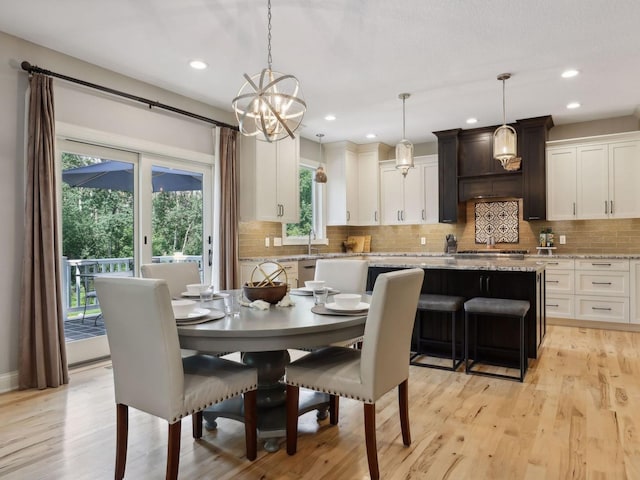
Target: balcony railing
x,y
78,275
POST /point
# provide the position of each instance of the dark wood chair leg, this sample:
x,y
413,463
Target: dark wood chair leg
x,y
370,436
122,434
403,406
196,424
334,409
173,450
293,395
251,424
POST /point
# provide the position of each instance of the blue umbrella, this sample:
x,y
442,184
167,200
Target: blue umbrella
x,y
116,175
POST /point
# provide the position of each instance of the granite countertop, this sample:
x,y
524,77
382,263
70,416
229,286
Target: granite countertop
x,y
374,257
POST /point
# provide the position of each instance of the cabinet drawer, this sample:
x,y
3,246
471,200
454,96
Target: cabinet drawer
x,y
560,306
602,283
559,281
558,264
603,264
603,309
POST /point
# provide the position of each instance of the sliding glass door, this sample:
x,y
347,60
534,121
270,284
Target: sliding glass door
x,y
120,209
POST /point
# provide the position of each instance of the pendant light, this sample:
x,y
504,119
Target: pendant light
x,y
504,138
320,177
404,148
270,104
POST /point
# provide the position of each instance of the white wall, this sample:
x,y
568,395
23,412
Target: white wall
x,y
80,106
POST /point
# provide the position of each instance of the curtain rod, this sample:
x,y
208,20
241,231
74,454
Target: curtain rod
x,y
151,103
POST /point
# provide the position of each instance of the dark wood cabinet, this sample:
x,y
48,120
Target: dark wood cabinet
x,y
448,175
509,185
532,137
468,170
476,153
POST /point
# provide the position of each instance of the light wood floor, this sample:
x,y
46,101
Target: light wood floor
x,y
576,416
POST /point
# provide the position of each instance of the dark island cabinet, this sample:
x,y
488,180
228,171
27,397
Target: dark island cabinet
x,y
497,337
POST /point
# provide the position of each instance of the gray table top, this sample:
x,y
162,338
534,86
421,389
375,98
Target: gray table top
x,y
277,328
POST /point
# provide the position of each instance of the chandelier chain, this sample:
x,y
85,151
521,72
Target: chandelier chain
x,y
269,33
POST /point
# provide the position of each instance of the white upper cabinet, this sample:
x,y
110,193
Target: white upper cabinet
x,y
592,200
412,199
561,183
269,185
624,177
353,183
594,179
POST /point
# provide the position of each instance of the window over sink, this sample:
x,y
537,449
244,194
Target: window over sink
x,y
312,210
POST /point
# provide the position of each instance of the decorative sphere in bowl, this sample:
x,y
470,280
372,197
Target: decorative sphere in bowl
x,y
182,308
270,293
347,300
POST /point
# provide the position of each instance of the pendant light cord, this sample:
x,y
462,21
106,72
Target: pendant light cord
x,y
403,134
269,34
504,108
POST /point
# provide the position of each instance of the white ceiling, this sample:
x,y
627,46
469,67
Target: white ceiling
x,y
353,57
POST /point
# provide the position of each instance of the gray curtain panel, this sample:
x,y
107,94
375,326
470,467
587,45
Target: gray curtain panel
x,y
42,359
229,276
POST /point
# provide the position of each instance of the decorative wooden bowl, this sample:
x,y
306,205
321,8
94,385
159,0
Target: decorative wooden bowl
x,y
267,289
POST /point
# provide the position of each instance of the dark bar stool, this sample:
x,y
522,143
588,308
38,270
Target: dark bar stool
x,y
439,303
501,307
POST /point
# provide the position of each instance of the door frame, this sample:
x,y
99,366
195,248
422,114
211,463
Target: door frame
x,y
97,347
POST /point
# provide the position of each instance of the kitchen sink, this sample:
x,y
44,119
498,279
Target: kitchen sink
x,y
506,254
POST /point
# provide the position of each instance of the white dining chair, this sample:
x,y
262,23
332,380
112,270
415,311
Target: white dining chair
x,y
149,373
177,275
366,374
348,276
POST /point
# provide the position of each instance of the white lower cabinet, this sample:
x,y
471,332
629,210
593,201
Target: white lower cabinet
x,y
634,270
602,309
559,282
602,290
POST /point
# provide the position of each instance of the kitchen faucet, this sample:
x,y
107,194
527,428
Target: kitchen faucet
x,y
311,232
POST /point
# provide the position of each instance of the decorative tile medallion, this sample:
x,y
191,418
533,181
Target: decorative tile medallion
x,y
498,220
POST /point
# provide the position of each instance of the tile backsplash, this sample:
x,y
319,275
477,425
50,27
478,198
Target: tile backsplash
x,y
583,236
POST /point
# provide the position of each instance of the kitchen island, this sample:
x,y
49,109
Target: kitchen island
x,y
497,338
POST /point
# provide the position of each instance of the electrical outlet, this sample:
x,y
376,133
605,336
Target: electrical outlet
x,y
423,241
277,241
563,239
266,242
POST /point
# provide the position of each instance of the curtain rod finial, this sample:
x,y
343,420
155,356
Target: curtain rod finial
x,y
26,66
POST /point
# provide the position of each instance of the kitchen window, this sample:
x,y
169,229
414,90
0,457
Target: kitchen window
x,y
312,208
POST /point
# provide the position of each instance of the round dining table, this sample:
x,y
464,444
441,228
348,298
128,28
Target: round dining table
x,y
263,337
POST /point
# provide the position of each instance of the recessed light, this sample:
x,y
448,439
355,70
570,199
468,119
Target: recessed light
x,y
330,118
472,120
570,73
573,105
198,64
371,135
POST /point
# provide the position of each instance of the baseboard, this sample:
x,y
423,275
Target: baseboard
x,y
8,382
570,322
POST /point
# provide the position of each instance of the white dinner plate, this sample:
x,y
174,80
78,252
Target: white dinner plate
x,y
216,296
195,313
309,291
361,307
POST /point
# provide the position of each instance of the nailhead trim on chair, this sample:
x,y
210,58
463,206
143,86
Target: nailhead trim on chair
x,y
330,392
221,399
